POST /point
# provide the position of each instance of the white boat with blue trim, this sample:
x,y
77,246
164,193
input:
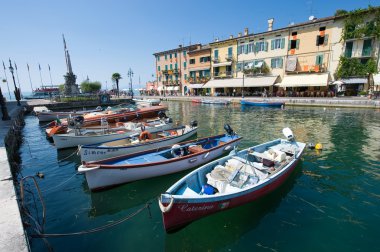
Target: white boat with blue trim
x,y
157,162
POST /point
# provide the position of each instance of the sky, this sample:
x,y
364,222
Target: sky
x,y
108,36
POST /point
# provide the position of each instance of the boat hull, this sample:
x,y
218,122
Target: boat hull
x,y
262,103
93,153
183,212
101,178
62,141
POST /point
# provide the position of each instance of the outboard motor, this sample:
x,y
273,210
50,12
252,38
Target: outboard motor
x,y
162,115
194,124
229,130
169,120
288,134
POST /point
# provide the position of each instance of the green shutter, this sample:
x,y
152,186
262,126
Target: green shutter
x,y
184,64
326,39
176,66
317,40
159,68
257,47
272,44
319,59
297,44
272,61
289,44
281,62
166,67
266,46
282,43
171,66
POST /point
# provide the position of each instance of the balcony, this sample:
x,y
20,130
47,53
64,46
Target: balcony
x,y
176,71
229,57
223,75
215,59
199,80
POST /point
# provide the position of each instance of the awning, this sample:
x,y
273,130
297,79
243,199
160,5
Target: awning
x,y
354,80
260,81
305,80
195,86
159,88
171,88
376,79
199,68
228,63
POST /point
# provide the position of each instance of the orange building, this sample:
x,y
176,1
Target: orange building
x,y
199,68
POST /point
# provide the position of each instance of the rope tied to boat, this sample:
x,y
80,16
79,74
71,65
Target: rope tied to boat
x,y
69,156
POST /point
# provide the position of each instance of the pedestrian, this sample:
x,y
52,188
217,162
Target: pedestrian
x,y
234,92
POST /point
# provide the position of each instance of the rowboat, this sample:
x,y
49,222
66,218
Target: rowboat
x,y
264,103
156,162
212,101
136,143
80,136
228,182
47,116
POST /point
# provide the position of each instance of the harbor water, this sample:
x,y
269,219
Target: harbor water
x,y
331,203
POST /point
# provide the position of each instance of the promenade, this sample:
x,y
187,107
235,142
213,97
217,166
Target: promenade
x,y
12,236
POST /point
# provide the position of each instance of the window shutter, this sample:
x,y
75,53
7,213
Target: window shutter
x,y
289,44
297,44
246,49
272,61
257,47
272,44
317,40
282,43
281,62
266,46
239,49
326,40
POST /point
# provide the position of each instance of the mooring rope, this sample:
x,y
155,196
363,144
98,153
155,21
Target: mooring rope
x,y
72,154
60,184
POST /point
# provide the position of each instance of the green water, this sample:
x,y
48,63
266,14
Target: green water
x,y
331,203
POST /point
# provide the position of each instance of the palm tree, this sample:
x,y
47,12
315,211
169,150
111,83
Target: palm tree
x,y
116,77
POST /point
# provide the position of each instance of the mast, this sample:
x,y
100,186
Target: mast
x,y
30,79
42,84
6,78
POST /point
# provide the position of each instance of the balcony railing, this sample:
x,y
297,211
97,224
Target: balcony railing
x,y
199,80
222,75
229,57
171,82
215,59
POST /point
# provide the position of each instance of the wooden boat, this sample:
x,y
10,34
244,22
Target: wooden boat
x,y
136,143
85,136
231,181
196,100
123,114
264,103
47,116
212,101
152,102
157,162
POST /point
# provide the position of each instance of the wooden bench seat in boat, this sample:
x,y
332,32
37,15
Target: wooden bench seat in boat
x,y
195,149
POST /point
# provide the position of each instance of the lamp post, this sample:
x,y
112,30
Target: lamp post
x,y
3,105
242,90
130,75
17,90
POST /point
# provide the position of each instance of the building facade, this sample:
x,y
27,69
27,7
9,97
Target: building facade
x,y
199,69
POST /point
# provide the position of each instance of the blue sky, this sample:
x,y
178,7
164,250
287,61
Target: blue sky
x,y
110,36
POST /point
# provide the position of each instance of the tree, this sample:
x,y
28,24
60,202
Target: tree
x,y
340,12
115,78
90,87
61,88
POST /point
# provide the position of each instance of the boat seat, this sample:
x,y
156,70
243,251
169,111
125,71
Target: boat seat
x,y
195,149
189,192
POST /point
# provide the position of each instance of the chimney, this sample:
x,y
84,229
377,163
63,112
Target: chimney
x,y
270,24
231,36
239,34
216,39
180,46
245,31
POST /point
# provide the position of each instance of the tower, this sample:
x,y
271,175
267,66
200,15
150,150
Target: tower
x,y
71,88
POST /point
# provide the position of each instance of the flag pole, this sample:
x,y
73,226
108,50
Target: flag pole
x,y
51,82
42,84
18,80
30,79
6,78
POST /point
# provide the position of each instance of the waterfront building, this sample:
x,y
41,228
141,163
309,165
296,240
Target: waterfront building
x,y
172,70
151,87
199,65
223,65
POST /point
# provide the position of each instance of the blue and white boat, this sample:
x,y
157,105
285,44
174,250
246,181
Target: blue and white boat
x,y
264,103
157,162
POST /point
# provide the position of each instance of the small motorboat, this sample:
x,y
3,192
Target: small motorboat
x,y
48,116
234,180
152,102
157,162
215,101
196,100
82,136
137,142
264,103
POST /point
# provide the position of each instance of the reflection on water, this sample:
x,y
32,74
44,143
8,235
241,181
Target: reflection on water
x,y
334,197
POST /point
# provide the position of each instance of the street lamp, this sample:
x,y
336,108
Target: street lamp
x,y
17,90
130,75
242,91
3,105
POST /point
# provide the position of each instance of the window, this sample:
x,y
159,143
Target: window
x,y
171,66
322,28
184,64
294,44
192,74
240,49
175,66
230,52
184,53
276,63
158,58
348,51
206,73
175,55
278,43
176,77
216,54
367,48
159,68
251,47
319,59
294,33
192,61
204,59
261,46
166,67
159,78
185,76
170,56
166,56
321,40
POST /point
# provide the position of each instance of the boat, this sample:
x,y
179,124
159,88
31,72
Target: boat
x,y
152,102
231,181
123,114
157,162
196,100
264,103
44,92
84,136
137,142
49,115
212,101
